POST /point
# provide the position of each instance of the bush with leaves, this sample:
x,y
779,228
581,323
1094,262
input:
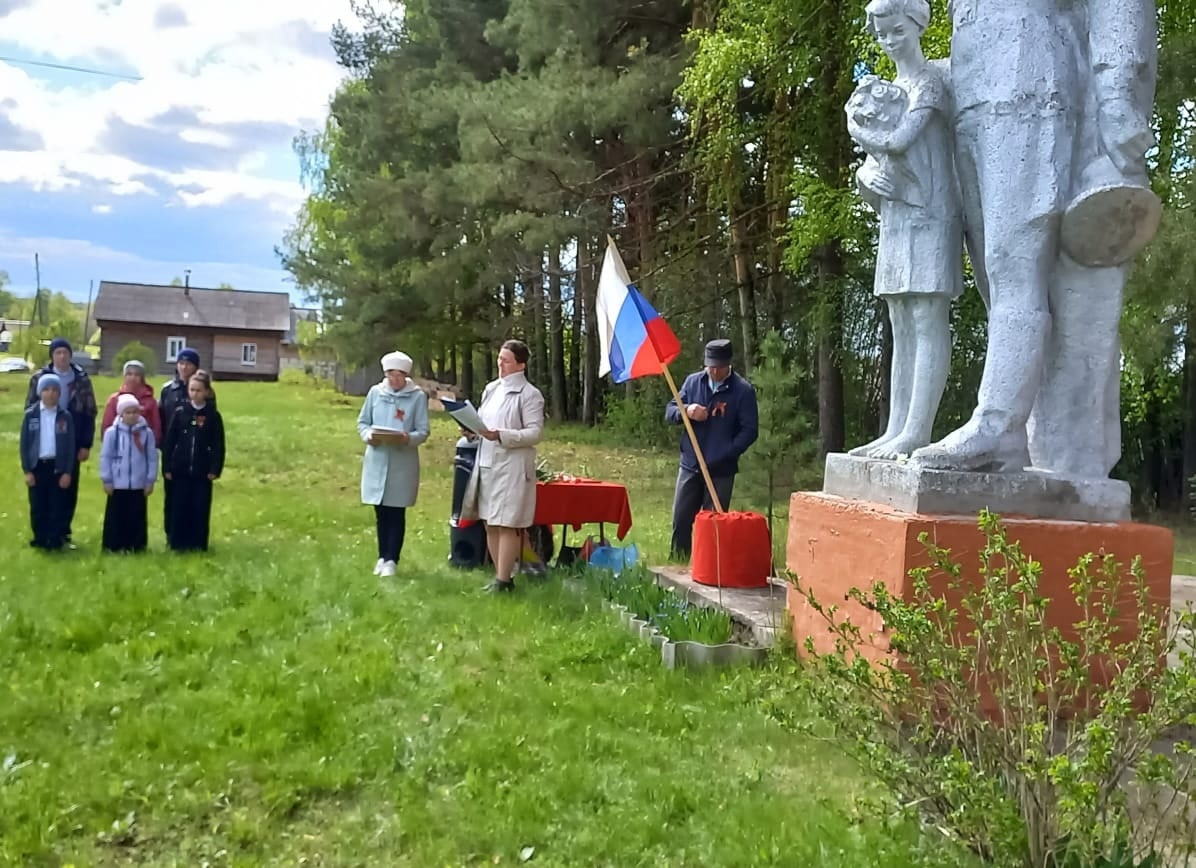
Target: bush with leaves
x,y
140,352
1063,769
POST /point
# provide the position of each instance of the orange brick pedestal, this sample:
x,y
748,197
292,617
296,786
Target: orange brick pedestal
x,y
836,544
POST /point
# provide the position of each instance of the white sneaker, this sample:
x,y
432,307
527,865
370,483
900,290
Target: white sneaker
x,y
387,569
378,567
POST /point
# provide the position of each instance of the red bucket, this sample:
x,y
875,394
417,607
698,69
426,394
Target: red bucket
x,y
731,550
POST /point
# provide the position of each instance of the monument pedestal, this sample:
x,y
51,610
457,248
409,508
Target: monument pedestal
x,y
837,543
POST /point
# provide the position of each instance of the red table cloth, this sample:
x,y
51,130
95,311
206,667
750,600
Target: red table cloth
x,y
577,501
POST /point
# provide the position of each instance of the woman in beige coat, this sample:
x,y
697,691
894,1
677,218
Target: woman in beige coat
x,y
502,490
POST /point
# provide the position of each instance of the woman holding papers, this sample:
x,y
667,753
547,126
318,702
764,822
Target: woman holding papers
x,y
502,489
393,423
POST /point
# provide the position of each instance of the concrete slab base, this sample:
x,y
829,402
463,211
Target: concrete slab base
x,y
760,609
1028,494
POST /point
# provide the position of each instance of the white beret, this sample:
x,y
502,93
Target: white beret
x,y
396,361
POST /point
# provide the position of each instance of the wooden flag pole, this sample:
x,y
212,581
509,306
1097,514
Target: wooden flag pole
x,y
693,438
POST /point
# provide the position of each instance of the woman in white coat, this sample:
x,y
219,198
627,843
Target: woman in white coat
x,y
502,490
390,471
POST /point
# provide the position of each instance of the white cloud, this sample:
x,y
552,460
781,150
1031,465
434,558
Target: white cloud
x,y
101,209
85,260
234,78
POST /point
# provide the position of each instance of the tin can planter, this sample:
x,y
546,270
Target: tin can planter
x,y
698,655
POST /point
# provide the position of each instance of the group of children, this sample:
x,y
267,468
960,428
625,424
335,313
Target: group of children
x,y
183,428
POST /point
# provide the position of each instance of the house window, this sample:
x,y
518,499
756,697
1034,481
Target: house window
x,y
248,354
174,346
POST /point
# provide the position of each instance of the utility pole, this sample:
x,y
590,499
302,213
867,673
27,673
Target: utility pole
x,y
87,311
37,295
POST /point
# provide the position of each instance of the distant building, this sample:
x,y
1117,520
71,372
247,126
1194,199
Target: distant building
x,y
238,334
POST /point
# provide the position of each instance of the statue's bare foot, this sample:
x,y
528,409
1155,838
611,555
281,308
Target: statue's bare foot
x,y
869,450
900,446
971,448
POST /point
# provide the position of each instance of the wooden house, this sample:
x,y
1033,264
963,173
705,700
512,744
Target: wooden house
x,y
238,334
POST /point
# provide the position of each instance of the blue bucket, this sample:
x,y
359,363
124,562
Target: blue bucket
x,y
614,558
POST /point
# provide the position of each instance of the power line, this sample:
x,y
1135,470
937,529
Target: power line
x,y
69,68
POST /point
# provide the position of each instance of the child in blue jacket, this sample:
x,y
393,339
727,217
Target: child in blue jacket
x,y
48,457
128,469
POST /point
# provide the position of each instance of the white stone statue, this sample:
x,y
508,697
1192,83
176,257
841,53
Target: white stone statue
x,y
1053,102
909,178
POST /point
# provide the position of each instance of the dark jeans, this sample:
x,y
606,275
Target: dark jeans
x,y
47,507
124,521
689,498
190,514
392,529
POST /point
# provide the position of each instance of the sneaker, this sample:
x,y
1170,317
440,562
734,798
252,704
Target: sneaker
x,y
387,569
498,586
378,567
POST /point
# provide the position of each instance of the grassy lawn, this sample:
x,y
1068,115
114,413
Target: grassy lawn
x,y
272,703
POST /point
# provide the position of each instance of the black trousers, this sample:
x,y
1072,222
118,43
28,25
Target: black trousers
x,y
167,490
125,521
190,514
689,498
392,530
71,501
47,507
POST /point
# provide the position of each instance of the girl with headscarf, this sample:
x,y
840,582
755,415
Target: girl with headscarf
x,y
134,384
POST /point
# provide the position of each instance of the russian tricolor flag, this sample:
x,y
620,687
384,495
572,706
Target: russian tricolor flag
x,y
634,340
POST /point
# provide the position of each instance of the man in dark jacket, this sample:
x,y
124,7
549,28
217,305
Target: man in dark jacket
x,y
721,406
172,399
79,399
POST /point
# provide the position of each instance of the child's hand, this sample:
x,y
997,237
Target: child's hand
x,y
211,477
108,489
149,489
30,480
64,481
166,476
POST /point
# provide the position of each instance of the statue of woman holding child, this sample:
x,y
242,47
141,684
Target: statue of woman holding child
x,y
908,177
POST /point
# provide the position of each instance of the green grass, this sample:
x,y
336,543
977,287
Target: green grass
x,y
272,703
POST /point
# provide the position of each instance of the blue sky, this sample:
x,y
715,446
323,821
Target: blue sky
x,y
189,167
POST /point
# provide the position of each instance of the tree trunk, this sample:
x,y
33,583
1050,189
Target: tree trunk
x,y
540,347
465,380
1189,442
831,412
589,378
556,356
575,373
744,281
884,404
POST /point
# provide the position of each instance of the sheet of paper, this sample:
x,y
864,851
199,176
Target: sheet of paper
x,y
465,413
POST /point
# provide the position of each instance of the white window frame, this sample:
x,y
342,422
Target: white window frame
x,y
175,344
249,355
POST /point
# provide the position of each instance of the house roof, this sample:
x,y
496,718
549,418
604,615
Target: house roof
x,y
234,309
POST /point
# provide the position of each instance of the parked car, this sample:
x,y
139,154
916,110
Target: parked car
x,y
13,365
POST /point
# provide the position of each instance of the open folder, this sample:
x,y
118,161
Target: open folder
x,y
465,413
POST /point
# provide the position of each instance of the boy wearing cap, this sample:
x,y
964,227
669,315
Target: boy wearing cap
x,y
77,396
135,385
128,470
48,457
173,398
721,406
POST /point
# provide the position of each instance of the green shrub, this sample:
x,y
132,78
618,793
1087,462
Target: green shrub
x,y
140,352
1063,771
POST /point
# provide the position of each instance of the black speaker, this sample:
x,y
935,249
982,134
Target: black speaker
x,y
467,545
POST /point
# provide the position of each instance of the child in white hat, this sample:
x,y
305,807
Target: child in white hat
x,y
128,469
